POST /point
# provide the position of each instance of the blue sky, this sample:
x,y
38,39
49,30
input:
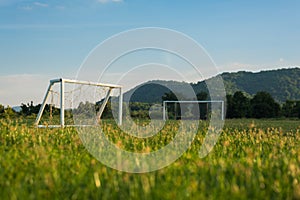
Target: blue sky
x,y
45,39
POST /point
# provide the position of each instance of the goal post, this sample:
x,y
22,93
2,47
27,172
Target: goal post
x,y
165,103
62,82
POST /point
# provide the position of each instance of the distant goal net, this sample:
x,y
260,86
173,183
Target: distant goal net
x,y
194,110
87,101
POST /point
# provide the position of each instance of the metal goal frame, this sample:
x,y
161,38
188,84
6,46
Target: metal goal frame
x,y
62,82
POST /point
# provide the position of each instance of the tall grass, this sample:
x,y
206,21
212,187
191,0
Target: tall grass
x,y
252,159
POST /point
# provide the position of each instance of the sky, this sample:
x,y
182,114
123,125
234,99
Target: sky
x,y
40,40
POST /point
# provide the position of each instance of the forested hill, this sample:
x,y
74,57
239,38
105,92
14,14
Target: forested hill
x,y
152,91
282,84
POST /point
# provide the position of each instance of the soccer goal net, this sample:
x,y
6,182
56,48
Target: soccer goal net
x,y
193,110
78,103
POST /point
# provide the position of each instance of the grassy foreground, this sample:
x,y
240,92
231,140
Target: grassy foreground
x,y
257,159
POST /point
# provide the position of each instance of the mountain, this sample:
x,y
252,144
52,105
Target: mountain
x,y
282,84
152,91
17,108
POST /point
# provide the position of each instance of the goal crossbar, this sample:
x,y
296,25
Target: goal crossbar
x,y
62,82
84,83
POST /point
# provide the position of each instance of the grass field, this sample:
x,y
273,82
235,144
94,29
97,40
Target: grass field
x,y
256,159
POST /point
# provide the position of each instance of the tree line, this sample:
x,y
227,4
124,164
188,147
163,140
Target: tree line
x,y
261,105
238,105
28,109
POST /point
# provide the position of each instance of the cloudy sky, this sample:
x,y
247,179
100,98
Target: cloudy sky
x,y
40,40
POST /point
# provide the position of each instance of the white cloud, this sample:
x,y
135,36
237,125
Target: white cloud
x,y
108,1
238,66
41,4
23,88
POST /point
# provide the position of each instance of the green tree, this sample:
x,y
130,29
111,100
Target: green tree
x,y
29,109
1,109
173,109
107,113
24,109
298,108
291,108
240,105
203,107
229,106
202,96
264,106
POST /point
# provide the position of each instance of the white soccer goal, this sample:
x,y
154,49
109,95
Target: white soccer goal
x,y
66,95
221,103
